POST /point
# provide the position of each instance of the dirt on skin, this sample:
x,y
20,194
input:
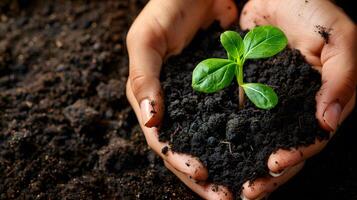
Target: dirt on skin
x,y
324,33
67,130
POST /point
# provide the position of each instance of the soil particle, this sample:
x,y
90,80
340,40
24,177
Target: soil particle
x,y
164,150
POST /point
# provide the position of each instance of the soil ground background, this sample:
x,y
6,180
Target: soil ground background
x,y
67,130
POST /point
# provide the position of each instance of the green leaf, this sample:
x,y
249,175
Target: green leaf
x,y
233,44
263,42
261,95
213,74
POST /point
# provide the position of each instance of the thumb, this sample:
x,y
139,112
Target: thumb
x,y
339,76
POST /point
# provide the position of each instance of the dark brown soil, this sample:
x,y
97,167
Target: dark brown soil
x,y
235,143
66,129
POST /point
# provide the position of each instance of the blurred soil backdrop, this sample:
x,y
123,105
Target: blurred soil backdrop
x,y
67,130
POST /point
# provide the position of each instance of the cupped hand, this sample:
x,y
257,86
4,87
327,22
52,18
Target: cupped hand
x,y
328,39
165,27
162,29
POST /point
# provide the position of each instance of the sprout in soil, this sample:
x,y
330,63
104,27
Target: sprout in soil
x,y
214,74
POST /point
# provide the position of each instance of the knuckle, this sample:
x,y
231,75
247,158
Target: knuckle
x,y
137,34
137,81
348,85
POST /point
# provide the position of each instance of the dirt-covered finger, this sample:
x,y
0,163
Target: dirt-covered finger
x,y
225,11
253,14
282,159
205,190
263,186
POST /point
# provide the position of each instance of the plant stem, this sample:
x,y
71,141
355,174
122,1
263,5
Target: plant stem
x,y
240,74
240,83
241,97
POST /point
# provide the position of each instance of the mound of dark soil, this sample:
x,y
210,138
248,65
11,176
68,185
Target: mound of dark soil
x,y
235,143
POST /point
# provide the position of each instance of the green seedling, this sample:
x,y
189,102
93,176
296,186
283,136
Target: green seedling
x,y
214,74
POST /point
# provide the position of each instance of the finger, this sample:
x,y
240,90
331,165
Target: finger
x,y
146,48
254,13
187,164
206,191
339,75
225,11
283,159
261,187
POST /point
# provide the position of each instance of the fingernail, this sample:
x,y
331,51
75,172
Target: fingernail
x,y
258,198
332,115
277,174
243,197
262,196
147,111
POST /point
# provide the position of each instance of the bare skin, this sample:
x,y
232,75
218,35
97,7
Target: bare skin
x,y
164,28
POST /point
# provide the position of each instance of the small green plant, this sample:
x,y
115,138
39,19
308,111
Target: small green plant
x,y
214,74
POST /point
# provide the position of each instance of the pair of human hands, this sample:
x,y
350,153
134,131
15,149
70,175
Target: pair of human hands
x,y
164,28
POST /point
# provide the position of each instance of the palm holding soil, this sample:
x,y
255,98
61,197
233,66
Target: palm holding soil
x,y
165,27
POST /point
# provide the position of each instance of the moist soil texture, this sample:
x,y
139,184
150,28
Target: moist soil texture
x,y
234,144
67,130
